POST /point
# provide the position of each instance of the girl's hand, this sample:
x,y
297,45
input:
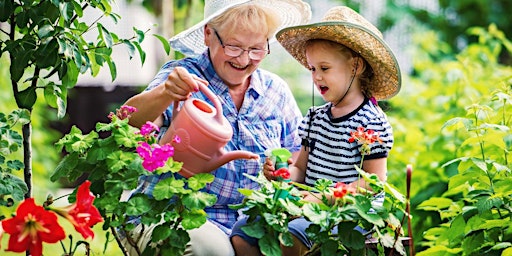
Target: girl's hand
x,y
268,169
311,197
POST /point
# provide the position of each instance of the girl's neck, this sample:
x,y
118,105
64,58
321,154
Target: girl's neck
x,y
347,105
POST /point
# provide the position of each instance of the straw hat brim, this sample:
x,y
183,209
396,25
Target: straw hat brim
x,y
190,42
386,81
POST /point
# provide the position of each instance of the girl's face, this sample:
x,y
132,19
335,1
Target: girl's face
x,y
234,71
331,70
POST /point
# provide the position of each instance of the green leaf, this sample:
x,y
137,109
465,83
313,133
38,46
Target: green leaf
x,y
6,10
67,164
199,200
472,243
193,219
45,31
269,246
502,224
142,54
20,116
140,35
46,54
486,204
14,186
112,67
15,164
457,123
11,140
255,229
161,232
137,205
352,238
167,188
199,181
26,98
131,48
105,35
314,214
165,43
70,77
179,238
286,239
67,10
118,160
435,204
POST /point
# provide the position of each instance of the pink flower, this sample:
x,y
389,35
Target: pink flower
x,y
148,128
154,156
124,112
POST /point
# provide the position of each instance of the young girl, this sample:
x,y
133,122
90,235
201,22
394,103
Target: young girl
x,y
351,67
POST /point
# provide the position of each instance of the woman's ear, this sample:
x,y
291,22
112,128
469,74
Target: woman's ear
x,y
207,35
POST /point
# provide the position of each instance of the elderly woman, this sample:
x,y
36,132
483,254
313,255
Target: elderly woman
x,y
225,51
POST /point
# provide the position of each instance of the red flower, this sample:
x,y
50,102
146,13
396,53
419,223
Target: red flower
x,y
282,173
340,190
82,214
365,139
32,226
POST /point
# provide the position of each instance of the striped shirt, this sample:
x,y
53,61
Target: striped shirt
x,y
269,118
331,155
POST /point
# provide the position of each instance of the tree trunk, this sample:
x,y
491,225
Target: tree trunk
x,y
27,156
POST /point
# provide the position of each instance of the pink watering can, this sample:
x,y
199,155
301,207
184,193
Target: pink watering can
x,y
203,131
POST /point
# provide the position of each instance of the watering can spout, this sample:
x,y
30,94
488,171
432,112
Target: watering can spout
x,y
232,155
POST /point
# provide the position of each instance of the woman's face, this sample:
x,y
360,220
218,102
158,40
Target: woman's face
x,y
331,70
234,71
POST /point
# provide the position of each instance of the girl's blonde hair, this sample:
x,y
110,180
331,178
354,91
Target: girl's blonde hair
x,y
367,73
252,17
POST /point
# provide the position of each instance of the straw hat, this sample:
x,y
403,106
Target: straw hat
x,y
343,25
191,41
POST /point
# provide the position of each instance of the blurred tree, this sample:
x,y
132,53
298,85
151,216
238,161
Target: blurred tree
x,y
452,19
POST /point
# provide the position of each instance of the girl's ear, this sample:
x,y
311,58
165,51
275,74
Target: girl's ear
x,y
358,65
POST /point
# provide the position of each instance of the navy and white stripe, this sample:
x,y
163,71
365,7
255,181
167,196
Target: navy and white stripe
x,y
331,156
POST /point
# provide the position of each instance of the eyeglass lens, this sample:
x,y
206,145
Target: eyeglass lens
x,y
235,51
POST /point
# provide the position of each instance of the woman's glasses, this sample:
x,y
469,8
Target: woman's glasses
x,y
235,51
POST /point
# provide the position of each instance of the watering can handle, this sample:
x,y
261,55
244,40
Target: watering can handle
x,y
210,95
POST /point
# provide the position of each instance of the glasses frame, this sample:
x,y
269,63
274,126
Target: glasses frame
x,y
233,49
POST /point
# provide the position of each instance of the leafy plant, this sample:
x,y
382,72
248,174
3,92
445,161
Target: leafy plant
x,y
47,49
441,86
477,206
278,202
12,188
270,209
114,164
378,222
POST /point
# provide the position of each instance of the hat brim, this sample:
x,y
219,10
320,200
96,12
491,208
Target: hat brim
x,y
386,81
190,42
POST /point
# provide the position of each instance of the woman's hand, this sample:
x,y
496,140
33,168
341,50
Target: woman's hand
x,y
180,84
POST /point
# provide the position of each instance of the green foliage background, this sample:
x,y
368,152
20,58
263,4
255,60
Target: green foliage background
x,y
445,79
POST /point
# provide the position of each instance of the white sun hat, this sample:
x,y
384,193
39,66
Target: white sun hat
x,y
191,41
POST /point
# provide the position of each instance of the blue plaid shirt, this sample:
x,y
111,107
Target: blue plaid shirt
x,y
269,118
